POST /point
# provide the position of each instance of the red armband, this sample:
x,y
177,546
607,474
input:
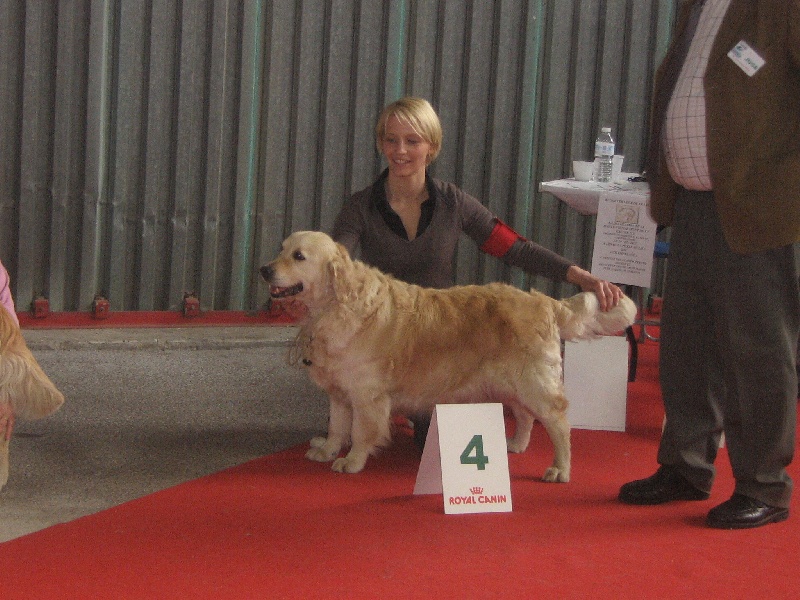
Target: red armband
x,y
500,240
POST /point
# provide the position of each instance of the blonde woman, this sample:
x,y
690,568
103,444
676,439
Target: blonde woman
x,y
408,224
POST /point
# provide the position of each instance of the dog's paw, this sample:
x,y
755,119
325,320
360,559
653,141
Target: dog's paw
x,y
556,475
322,453
317,442
349,464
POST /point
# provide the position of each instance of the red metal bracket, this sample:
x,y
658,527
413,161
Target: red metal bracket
x,y
191,305
40,307
100,308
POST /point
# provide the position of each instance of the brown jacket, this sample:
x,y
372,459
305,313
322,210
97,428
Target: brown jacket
x,y
753,128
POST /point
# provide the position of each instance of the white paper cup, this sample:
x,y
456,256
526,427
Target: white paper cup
x,y
583,170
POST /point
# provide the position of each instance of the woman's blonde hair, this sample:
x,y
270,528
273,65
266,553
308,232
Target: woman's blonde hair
x,y
422,118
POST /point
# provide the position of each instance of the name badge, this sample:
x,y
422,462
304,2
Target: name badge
x,y
746,58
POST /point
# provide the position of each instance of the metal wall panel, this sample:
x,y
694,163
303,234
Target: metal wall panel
x,y
157,147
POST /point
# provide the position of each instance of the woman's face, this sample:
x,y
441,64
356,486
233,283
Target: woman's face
x,y
405,150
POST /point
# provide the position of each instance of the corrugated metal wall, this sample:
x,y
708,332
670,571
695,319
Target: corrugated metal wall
x,y
154,147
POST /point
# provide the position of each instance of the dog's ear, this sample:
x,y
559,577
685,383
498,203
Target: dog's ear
x,y
339,268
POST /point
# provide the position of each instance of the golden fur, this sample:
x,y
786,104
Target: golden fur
x,y
378,345
24,387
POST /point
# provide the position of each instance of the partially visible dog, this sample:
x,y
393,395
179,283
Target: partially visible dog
x,y
25,391
378,345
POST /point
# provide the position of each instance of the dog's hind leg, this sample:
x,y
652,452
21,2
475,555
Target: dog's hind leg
x,y
522,429
371,429
339,424
557,428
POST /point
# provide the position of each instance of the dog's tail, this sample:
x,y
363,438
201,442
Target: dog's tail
x,y
580,317
23,384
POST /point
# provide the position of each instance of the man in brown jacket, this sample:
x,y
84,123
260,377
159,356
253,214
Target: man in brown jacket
x,y
724,172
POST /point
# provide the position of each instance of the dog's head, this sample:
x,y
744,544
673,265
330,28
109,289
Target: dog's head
x,y
306,267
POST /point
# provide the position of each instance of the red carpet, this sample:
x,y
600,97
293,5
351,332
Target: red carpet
x,y
283,527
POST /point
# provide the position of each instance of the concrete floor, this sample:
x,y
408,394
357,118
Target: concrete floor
x,y
150,408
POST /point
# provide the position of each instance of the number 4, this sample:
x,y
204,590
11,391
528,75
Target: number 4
x,y
479,459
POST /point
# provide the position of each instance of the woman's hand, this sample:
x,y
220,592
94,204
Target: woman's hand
x,y
608,294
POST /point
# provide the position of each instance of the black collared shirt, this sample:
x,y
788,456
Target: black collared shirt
x,y
391,218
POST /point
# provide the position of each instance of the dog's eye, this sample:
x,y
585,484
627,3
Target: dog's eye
x,y
298,255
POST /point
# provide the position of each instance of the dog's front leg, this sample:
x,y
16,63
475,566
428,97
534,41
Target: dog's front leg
x,y
339,425
371,428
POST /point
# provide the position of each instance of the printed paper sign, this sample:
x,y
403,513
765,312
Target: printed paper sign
x,y
624,239
466,459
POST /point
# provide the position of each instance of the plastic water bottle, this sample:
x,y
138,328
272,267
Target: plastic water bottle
x,y
604,155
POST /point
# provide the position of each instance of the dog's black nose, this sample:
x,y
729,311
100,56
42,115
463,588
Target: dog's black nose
x,y
267,272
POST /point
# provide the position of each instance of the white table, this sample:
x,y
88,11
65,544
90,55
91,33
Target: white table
x,y
624,234
584,196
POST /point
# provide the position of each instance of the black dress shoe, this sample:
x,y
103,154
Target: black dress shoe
x,y
742,512
667,485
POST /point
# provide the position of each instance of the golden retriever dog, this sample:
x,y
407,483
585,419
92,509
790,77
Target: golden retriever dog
x,y
378,346
25,391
